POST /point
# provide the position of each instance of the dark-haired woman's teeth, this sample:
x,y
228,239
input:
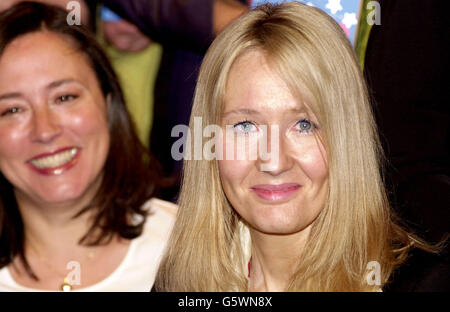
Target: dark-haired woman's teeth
x,y
55,160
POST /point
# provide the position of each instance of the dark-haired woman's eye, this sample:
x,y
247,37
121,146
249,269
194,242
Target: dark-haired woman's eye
x,y
10,111
66,98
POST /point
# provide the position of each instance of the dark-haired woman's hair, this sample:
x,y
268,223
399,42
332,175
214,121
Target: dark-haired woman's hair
x,y
130,173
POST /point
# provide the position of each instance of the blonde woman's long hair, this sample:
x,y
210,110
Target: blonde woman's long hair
x,y
206,251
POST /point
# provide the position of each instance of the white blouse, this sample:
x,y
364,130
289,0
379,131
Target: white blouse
x,y
137,271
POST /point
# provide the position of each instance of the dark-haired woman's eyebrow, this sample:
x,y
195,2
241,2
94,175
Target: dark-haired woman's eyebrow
x,y
58,83
12,95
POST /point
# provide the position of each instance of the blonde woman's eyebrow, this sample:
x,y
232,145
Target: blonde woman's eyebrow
x,y
242,111
298,110
248,111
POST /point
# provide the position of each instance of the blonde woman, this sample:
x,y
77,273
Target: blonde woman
x,y
313,217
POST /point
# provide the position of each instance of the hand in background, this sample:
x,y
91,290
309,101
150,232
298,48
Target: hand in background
x,y
125,36
226,11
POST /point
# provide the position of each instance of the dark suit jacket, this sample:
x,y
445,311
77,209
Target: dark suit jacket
x,y
407,65
407,68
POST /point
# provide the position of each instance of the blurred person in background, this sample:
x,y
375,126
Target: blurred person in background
x,y
185,29
136,60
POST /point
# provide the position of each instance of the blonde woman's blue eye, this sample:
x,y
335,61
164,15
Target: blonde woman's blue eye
x,y
305,126
244,127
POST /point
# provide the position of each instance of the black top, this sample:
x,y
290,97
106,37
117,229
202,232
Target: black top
x,y
423,272
407,67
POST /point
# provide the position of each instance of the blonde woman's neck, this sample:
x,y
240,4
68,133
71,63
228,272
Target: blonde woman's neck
x,y
274,259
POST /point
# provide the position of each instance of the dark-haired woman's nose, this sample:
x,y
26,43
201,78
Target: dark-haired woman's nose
x,y
46,125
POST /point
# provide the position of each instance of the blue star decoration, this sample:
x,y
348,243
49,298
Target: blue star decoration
x,y
345,12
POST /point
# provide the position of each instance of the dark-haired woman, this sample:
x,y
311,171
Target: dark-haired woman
x,y
75,182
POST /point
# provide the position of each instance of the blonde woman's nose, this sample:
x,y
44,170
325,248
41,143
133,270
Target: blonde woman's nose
x,y
275,157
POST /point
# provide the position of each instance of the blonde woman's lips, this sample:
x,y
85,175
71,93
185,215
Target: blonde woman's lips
x,y
57,162
275,192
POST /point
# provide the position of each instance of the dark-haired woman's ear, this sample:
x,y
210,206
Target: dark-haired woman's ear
x,y
108,100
